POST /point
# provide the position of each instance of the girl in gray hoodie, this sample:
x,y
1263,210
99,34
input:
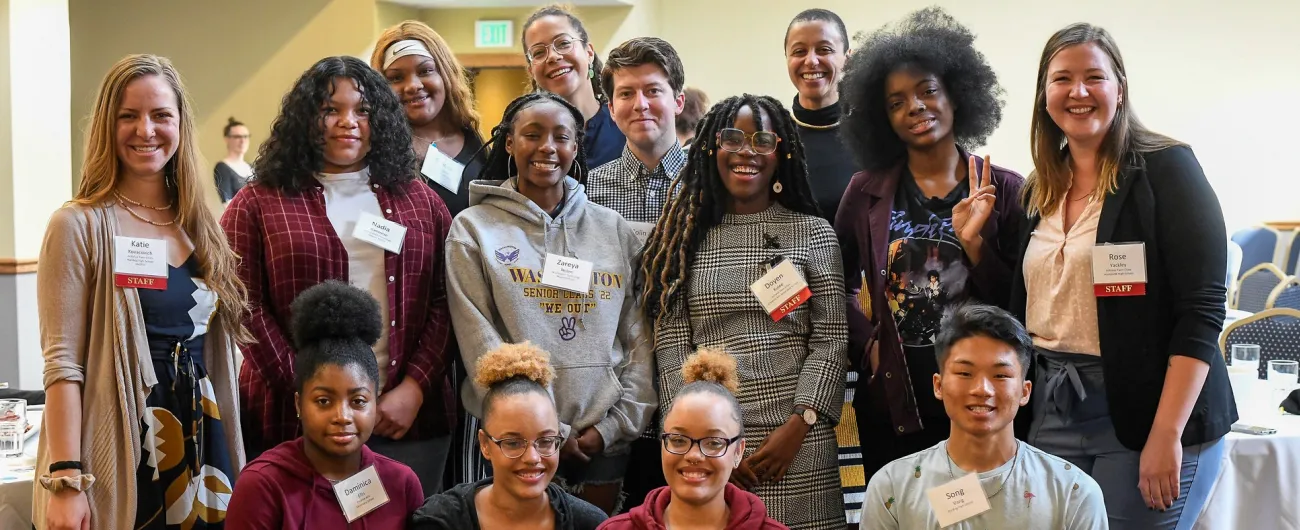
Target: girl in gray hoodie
x,y
532,260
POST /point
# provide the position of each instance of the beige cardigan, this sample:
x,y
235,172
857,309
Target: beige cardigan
x,y
92,332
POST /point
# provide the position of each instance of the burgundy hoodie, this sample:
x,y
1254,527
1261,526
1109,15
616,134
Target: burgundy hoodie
x,y
747,512
280,490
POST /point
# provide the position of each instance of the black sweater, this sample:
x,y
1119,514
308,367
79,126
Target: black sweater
x,y
454,510
830,166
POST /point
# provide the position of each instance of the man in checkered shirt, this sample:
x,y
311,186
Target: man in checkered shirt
x,y
643,80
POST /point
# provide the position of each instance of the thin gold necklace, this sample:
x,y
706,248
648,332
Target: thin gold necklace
x,y
815,127
140,217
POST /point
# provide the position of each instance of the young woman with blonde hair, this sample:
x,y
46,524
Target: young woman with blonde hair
x,y
140,381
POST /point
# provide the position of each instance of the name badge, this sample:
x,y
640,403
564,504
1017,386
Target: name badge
x,y
1119,270
361,494
442,169
570,274
781,290
380,232
642,231
958,500
140,263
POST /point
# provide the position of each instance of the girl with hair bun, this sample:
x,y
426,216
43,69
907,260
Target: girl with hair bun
x,y
232,172
703,441
520,437
336,390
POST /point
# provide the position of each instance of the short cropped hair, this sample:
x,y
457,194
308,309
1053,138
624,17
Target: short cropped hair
x,y
697,103
639,51
978,320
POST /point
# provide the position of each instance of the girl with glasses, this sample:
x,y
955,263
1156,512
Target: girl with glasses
x,y
745,208
562,61
336,391
703,442
232,172
520,436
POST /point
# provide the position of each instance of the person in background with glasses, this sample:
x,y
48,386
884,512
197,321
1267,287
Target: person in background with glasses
x,y
703,441
745,207
232,172
520,436
561,60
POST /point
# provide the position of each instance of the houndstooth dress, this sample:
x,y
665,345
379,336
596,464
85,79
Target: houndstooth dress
x,y
798,360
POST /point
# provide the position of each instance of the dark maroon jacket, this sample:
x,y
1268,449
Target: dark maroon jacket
x,y
281,490
862,224
747,512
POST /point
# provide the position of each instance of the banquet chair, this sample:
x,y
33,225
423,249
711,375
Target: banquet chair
x,y
1258,245
1286,294
1293,252
1255,286
1276,331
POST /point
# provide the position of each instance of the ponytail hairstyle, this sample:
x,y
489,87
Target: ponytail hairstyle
x,y
498,167
596,67
711,371
334,323
231,123
511,370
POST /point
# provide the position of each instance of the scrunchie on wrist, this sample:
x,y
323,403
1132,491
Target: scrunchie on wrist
x,y
74,482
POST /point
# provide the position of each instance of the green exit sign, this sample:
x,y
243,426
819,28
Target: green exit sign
x,y
494,33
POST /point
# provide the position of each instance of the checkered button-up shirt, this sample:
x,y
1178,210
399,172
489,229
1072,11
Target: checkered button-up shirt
x,y
286,244
636,192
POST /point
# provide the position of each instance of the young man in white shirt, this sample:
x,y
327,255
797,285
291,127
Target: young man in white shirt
x,y
983,355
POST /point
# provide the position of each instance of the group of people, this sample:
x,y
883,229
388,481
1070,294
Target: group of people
x,y
578,317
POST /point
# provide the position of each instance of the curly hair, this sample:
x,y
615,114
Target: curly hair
x,y
711,371
294,153
701,202
334,323
497,165
932,41
513,369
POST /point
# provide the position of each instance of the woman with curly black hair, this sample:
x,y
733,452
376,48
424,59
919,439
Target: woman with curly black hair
x,y
925,224
336,197
745,208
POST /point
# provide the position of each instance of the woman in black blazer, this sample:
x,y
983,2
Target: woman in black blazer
x,y
1128,380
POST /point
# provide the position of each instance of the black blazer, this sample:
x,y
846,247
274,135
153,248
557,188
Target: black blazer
x,y
1164,200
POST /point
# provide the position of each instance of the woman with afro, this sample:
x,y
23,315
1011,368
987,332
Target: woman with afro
x,y
918,97
337,169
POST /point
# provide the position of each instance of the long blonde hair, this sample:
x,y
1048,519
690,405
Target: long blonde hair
x,y
102,171
1127,136
460,100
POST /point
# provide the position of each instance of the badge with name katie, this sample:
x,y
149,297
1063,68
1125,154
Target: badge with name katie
x,y
139,262
361,494
1119,270
781,290
380,232
958,500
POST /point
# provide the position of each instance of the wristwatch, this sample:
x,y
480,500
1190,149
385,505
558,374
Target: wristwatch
x,y
807,413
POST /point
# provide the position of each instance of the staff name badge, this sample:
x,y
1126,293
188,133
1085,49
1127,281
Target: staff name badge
x,y
442,169
781,290
139,262
360,494
1119,270
642,231
958,500
380,232
570,274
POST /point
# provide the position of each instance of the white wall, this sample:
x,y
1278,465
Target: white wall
x,y
1218,75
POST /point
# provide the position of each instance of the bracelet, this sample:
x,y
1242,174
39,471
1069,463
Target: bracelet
x,y
75,482
65,464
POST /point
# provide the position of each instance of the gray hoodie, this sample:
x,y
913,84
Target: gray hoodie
x,y
599,342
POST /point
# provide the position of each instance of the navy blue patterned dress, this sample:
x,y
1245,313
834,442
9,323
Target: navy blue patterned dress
x,y
184,476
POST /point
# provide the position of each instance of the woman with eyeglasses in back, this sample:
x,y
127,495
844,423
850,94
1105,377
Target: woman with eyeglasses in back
x,y
520,436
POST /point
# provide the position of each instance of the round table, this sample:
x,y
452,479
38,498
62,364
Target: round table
x,y
1259,483
16,479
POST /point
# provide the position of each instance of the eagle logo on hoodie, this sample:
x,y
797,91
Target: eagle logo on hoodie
x,y
507,255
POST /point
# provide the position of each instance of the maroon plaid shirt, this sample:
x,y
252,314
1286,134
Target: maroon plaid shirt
x,y
286,245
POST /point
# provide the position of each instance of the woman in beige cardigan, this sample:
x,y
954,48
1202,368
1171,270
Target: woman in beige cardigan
x,y
140,381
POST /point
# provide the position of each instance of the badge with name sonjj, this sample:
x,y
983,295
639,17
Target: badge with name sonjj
x,y
380,232
360,494
958,500
1119,270
781,290
570,274
139,262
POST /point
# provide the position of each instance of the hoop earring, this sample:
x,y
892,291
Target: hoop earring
x,y
510,164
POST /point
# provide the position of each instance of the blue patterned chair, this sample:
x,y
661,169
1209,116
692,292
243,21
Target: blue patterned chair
x,y
1255,286
1286,294
1276,331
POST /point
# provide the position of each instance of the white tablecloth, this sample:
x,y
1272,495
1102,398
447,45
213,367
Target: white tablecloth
x,y
1259,484
16,476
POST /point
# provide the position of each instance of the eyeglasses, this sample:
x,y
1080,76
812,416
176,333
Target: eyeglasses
x,y
562,44
710,446
762,142
238,137
516,447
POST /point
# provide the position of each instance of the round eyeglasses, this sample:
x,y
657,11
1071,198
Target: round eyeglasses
x,y
516,447
762,142
710,446
539,52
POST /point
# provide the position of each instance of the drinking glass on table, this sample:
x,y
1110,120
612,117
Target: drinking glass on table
x,y
1243,375
1283,376
1245,356
13,426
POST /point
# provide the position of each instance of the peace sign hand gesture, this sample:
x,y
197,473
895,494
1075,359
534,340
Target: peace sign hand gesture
x,y
969,215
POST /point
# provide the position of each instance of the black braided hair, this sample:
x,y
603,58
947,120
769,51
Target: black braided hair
x,y
557,10
497,165
701,199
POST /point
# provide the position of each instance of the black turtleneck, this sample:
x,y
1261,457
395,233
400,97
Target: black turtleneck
x,y
830,166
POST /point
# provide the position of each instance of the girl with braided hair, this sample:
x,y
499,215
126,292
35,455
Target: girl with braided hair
x,y
528,228
745,205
